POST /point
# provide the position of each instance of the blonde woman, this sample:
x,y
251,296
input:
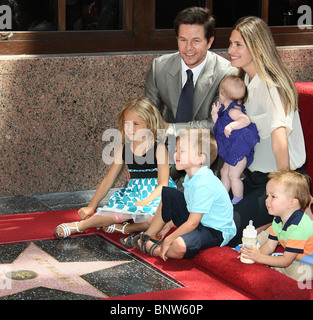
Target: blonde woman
x,y
272,105
147,160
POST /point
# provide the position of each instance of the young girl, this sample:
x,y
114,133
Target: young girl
x,y
147,160
235,135
288,195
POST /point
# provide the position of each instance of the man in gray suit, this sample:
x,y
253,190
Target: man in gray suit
x,y
167,77
194,29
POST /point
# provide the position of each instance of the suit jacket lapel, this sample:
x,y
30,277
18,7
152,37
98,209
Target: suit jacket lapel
x,y
174,83
201,90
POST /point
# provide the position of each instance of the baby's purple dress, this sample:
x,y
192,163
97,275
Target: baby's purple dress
x,y
240,143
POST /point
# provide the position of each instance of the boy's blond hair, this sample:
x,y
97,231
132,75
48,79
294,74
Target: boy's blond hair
x,y
203,141
295,184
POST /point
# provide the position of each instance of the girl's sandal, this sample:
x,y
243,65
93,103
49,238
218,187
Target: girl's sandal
x,y
66,230
112,228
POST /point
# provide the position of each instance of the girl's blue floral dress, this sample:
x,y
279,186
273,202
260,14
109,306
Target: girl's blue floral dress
x,y
143,180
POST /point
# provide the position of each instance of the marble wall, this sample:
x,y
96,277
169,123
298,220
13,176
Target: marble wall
x,y
55,109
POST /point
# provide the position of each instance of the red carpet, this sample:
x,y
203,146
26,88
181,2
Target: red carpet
x,y
215,273
305,90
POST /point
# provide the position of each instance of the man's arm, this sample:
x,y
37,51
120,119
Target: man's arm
x,y
203,124
151,91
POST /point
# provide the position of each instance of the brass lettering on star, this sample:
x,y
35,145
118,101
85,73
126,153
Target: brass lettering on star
x,y
21,275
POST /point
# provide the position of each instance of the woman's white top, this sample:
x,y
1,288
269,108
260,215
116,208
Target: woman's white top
x,y
265,109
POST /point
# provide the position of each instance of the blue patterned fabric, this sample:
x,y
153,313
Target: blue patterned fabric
x,y
137,188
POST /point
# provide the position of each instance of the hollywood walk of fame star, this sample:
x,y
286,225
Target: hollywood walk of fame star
x,y
35,268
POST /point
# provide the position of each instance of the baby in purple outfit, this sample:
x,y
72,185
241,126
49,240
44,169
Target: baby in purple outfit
x,y
235,134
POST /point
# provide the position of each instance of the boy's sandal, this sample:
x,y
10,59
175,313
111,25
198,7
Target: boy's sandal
x,y
143,239
155,245
66,230
112,228
128,242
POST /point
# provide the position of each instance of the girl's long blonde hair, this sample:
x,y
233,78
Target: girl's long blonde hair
x,y
147,111
260,43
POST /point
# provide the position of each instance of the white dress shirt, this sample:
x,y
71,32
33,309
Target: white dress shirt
x,y
265,109
196,71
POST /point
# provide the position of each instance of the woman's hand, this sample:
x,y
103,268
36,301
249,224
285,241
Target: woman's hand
x,y
228,130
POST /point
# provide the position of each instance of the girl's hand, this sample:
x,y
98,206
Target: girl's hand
x,y
142,203
215,107
214,112
85,212
164,231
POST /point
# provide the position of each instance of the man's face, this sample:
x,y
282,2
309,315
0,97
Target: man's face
x,y
192,44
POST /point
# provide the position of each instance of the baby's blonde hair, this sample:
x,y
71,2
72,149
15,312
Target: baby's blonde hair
x,y
147,111
295,184
234,88
203,141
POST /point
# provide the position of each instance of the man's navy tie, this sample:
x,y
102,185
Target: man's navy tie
x,y
185,103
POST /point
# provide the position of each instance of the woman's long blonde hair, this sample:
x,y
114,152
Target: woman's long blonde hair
x,y
269,67
147,111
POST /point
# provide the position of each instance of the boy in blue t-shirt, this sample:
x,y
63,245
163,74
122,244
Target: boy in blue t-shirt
x,y
203,214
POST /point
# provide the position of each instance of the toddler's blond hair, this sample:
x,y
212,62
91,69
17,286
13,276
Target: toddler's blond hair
x,y
296,185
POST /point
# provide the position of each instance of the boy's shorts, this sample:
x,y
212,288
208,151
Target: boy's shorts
x,y
174,208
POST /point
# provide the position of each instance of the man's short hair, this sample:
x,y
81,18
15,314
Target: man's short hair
x,y
196,15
